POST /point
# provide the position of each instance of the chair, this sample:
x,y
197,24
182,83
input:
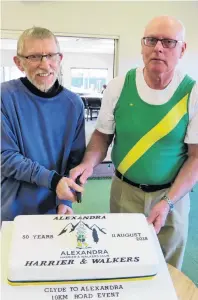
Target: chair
x,y
85,106
94,105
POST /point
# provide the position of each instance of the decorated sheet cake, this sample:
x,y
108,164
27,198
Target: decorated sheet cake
x,y
79,248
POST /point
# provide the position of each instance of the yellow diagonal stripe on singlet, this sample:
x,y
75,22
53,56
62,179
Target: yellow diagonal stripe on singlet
x,y
168,123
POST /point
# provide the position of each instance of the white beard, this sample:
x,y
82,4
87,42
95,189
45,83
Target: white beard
x,y
42,87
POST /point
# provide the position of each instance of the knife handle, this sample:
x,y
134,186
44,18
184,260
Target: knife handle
x,y
78,194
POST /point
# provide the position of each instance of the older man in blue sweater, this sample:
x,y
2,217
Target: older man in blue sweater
x,y
43,134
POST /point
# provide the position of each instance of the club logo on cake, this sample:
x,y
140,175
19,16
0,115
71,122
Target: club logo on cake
x,y
86,236
81,237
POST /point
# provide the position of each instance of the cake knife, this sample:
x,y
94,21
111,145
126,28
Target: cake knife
x,y
78,194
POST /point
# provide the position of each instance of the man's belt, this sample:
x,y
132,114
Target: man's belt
x,y
144,187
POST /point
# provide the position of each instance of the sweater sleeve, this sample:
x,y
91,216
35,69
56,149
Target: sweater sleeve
x,y
65,202
17,166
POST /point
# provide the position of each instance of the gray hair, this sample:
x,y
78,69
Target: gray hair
x,y
35,33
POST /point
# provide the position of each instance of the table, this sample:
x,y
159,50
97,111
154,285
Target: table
x,y
159,288
185,288
93,96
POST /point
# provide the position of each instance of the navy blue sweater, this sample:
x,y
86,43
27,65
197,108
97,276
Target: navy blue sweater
x,y
40,136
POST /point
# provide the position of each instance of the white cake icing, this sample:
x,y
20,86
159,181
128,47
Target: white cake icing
x,y
53,248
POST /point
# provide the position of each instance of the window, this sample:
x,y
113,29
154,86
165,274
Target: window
x,y
88,81
9,73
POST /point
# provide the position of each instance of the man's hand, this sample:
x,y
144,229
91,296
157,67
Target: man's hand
x,y
84,170
63,189
158,215
64,210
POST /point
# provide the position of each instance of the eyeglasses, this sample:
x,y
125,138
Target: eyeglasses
x,y
52,57
166,43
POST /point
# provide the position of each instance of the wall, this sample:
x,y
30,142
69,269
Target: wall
x,y
123,19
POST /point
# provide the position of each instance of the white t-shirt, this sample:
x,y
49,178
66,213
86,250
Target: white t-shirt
x,y
106,122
